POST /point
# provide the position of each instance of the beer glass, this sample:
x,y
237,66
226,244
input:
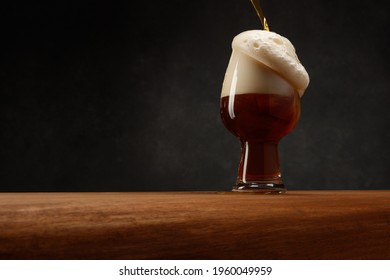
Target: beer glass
x,y
259,107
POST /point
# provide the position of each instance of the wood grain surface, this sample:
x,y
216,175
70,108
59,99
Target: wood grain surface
x,y
195,225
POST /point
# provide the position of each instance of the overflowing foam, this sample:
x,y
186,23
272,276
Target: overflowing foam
x,y
264,61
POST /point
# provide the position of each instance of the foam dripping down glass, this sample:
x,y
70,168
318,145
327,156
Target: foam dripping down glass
x,y
260,104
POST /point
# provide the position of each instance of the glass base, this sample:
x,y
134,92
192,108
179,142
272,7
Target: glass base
x,y
262,188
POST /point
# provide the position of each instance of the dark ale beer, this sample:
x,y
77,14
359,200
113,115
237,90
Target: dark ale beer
x,y
260,120
261,117
260,104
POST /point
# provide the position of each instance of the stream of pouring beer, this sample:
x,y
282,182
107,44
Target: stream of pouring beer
x,y
260,14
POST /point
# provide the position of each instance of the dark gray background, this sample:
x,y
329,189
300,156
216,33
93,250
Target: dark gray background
x,y
122,96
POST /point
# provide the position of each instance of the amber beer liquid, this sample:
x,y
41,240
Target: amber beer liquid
x,y
260,121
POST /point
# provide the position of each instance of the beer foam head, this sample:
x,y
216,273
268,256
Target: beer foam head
x,y
276,52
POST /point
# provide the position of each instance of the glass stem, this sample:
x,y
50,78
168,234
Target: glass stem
x,y
259,163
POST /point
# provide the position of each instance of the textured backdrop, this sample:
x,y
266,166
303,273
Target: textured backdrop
x,y
122,96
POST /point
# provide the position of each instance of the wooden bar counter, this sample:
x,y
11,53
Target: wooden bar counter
x,y
195,225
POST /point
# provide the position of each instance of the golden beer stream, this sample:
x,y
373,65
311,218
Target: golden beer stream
x,y
260,14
